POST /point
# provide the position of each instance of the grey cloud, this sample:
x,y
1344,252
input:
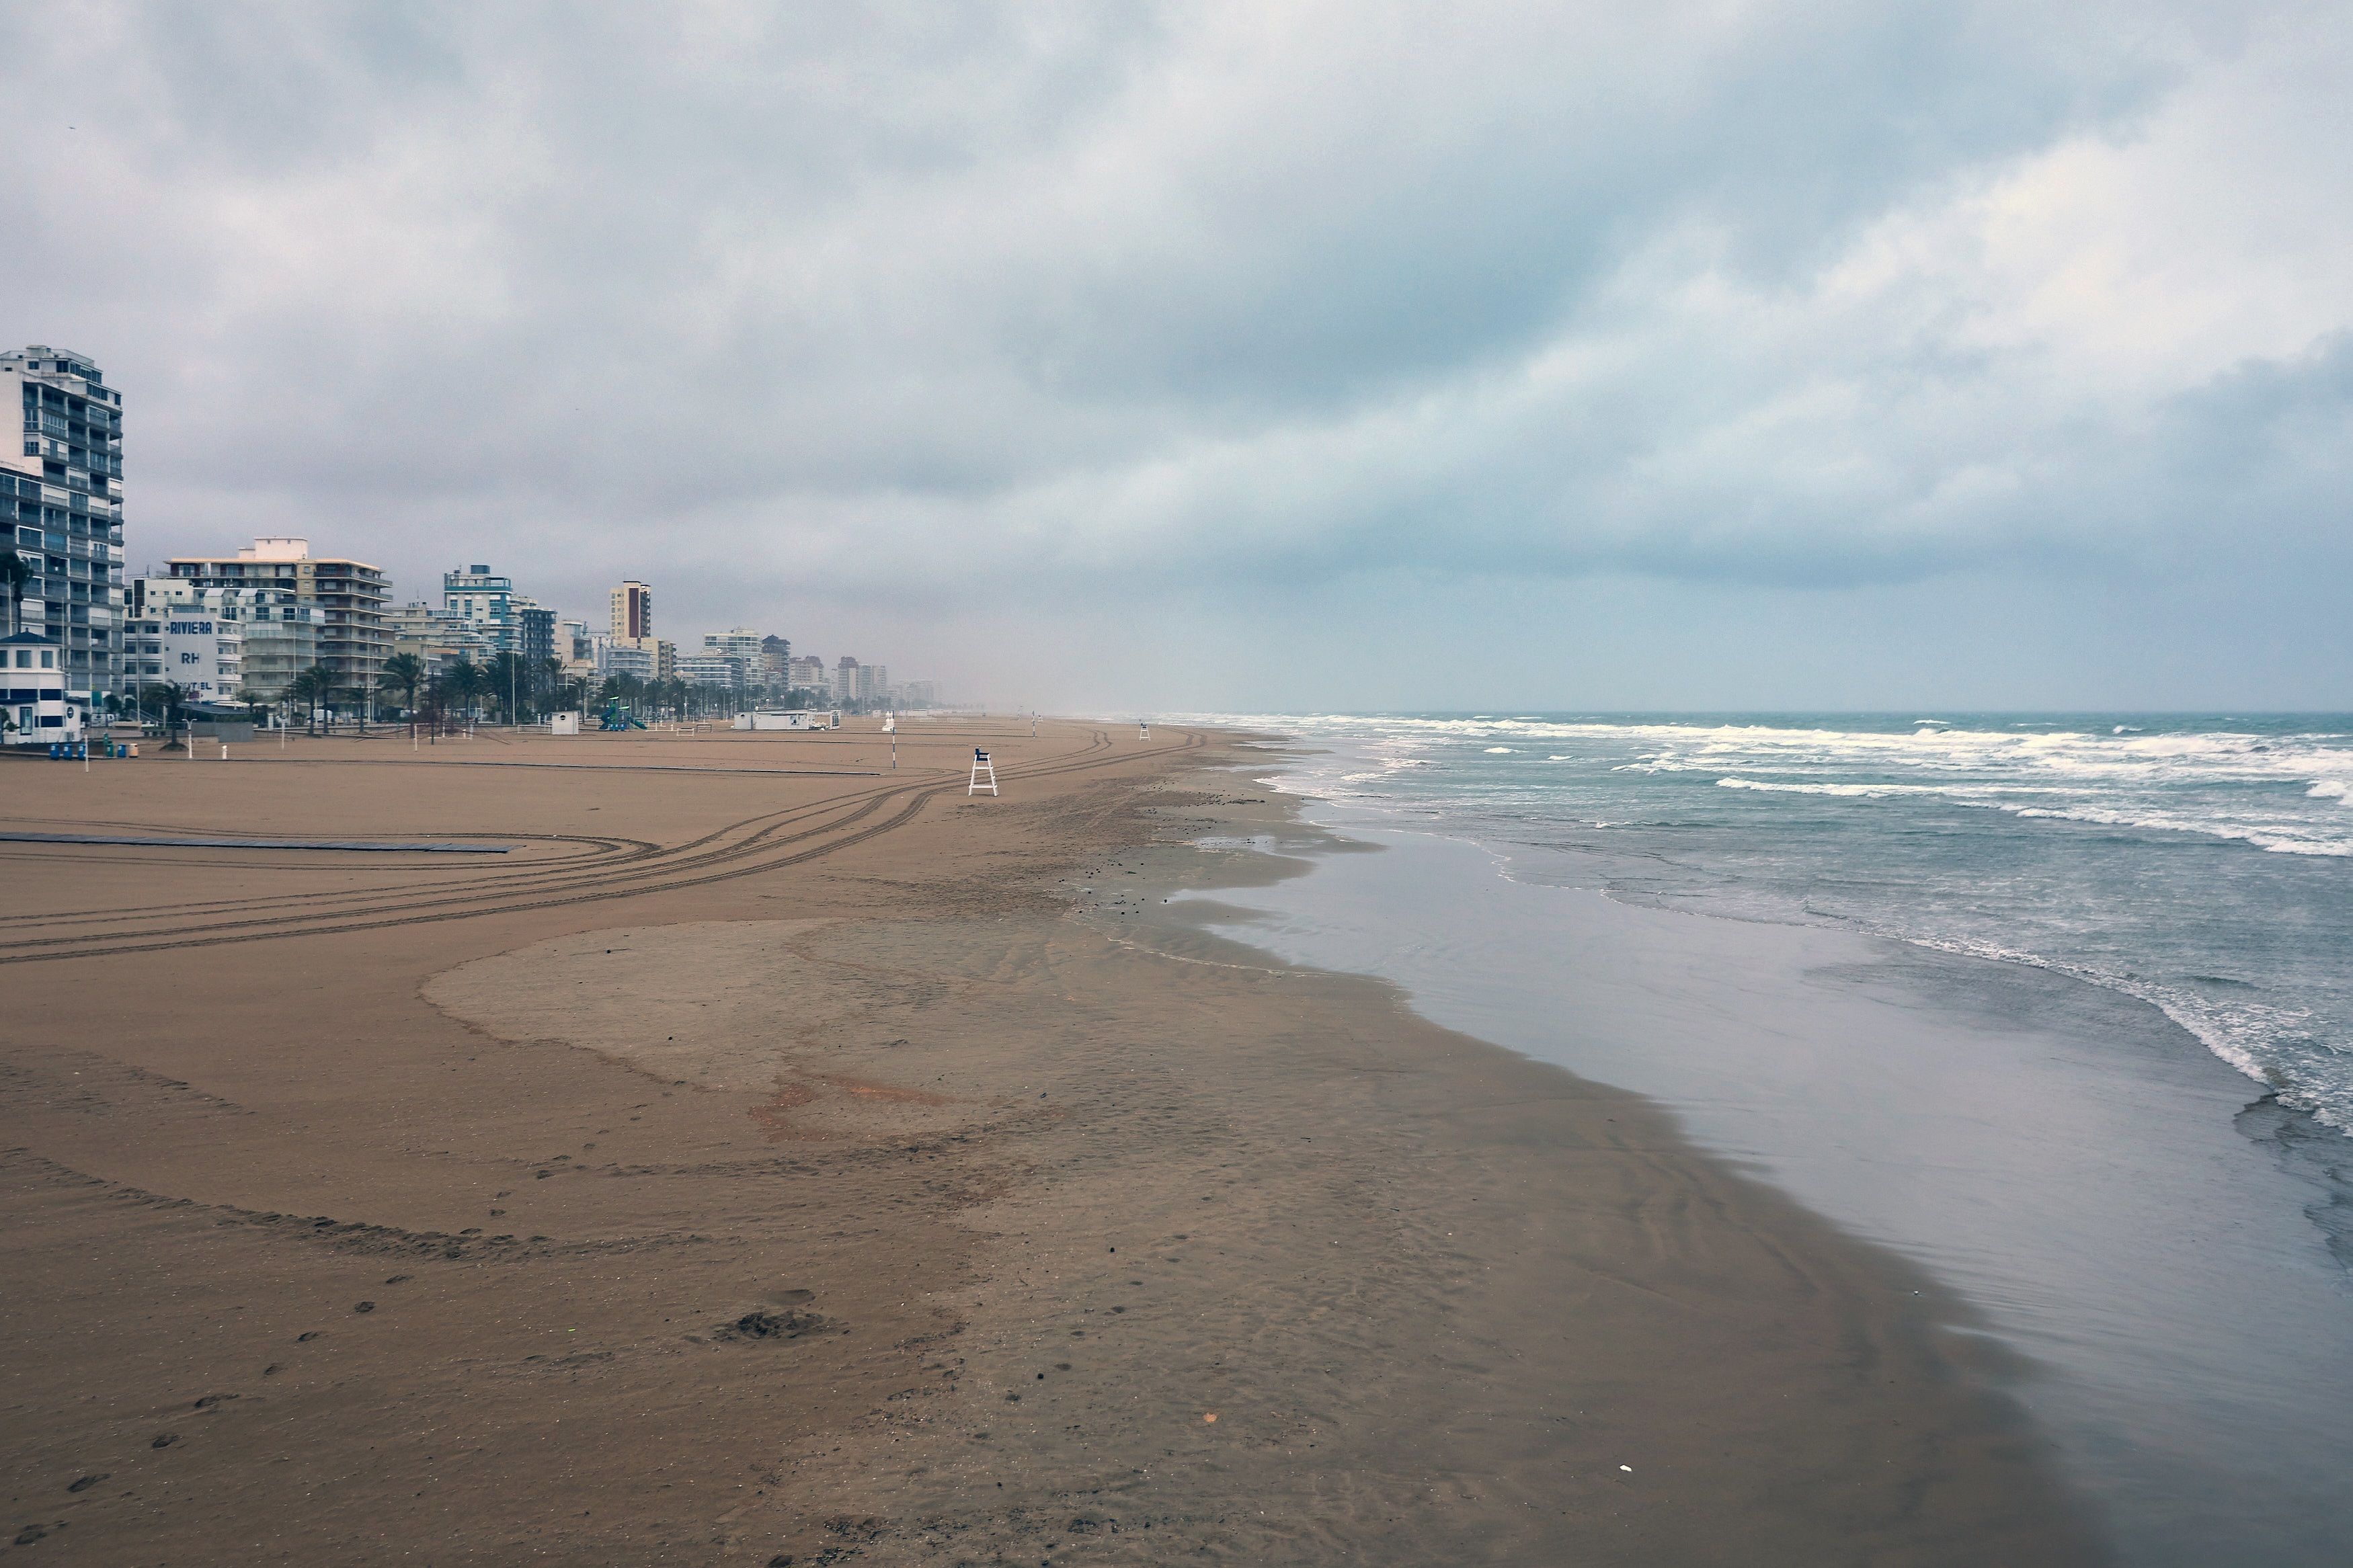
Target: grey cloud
x,y
915,302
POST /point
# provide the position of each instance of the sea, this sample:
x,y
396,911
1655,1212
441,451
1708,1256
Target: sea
x,y
2059,1007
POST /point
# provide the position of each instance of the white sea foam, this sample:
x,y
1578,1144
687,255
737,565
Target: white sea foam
x,y
2244,1034
1851,791
2277,840
2289,794
2122,775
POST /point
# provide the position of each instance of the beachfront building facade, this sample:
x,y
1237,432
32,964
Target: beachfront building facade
x,y
710,669
278,635
190,646
61,502
618,658
740,645
776,655
808,674
437,638
581,649
355,635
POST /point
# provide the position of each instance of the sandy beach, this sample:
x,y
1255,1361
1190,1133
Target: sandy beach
x,y
776,1157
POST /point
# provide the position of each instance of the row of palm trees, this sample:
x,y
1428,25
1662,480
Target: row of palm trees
x,y
510,689
505,688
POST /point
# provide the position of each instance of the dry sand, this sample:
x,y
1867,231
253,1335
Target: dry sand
x,y
777,1159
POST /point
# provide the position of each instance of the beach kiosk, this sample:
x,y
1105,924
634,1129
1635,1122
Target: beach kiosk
x,y
33,708
766,719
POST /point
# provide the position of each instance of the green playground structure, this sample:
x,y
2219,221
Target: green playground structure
x,y
618,717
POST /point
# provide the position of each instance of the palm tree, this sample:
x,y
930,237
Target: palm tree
x,y
401,673
463,681
170,697
505,680
250,694
314,688
550,681
16,572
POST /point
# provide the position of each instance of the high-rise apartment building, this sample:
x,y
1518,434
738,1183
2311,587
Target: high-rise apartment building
x,y
580,649
712,670
535,632
806,674
61,505
439,639
776,657
508,622
638,658
482,599
740,645
354,638
633,611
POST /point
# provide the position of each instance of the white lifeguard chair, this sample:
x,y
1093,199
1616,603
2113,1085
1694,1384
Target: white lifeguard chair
x,y
1144,729
983,773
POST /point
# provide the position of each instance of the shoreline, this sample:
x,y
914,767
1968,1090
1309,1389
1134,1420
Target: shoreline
x,y
2157,1249
898,1203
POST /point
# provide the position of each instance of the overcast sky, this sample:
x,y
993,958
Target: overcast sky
x,y
1264,355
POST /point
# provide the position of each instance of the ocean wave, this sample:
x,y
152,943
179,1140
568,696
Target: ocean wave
x,y
2256,1038
1845,791
2278,840
2283,792
1982,755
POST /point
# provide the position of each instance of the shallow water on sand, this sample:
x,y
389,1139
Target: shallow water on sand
x,y
2142,1223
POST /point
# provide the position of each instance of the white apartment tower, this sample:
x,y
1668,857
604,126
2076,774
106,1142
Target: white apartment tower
x,y
61,510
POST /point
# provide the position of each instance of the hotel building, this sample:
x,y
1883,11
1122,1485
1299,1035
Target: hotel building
x,y
191,647
277,635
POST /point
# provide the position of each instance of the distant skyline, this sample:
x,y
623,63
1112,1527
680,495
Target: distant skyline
x,y
1257,357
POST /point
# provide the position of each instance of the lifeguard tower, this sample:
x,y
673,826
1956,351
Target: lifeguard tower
x,y
984,774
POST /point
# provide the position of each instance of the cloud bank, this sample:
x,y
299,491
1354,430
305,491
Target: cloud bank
x,y
1302,354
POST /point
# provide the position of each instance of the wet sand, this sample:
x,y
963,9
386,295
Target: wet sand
x,y
776,1158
